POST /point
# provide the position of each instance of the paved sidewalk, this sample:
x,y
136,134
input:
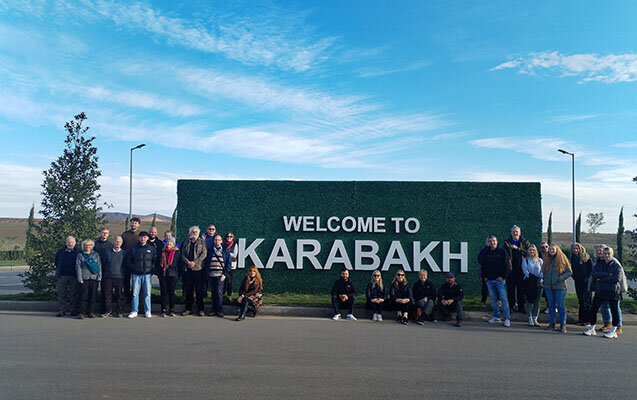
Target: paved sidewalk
x,y
284,311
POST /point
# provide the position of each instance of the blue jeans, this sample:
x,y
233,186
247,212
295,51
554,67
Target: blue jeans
x,y
216,292
606,316
553,297
141,281
498,289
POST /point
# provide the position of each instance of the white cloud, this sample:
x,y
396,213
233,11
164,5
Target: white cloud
x,y
374,72
269,95
609,68
143,100
626,144
563,119
541,148
271,38
591,195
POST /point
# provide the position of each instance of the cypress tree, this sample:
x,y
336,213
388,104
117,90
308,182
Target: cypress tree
x,y
578,228
620,236
154,222
70,206
173,223
549,231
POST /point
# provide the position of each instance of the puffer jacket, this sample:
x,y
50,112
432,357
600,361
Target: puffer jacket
x,y
553,281
606,277
141,259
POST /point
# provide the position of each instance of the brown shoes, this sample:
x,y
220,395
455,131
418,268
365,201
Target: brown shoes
x,y
618,330
606,327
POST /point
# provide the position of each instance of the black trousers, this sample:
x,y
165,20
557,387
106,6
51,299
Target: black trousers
x,y
404,308
167,286
444,312
377,308
194,280
86,293
107,295
584,299
228,283
349,303
515,291
597,302
128,295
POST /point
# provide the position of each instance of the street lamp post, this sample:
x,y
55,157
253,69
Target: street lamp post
x,y
573,185
130,200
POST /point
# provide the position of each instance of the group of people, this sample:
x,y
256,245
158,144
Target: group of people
x,y
124,268
518,274
515,274
421,298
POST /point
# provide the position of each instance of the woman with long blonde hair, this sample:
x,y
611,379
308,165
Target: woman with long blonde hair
x,y
400,295
532,276
556,269
376,295
250,296
582,266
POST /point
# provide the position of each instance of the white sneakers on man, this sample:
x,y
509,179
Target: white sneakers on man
x,y
148,314
351,317
336,317
132,315
494,320
507,323
531,321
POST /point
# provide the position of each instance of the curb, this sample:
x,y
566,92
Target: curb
x,y
313,312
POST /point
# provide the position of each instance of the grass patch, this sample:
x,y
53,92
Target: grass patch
x,y
12,263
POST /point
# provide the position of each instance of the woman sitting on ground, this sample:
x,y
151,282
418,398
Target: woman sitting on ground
x,y
532,284
250,296
400,295
376,295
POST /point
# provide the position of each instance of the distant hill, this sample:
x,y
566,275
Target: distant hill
x,y
119,216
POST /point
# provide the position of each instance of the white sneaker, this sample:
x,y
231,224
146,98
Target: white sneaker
x,y
531,321
132,315
374,317
148,314
535,323
336,317
493,320
351,317
590,331
379,318
507,323
612,334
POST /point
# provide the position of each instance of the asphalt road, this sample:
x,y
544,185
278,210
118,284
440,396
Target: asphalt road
x,y
44,357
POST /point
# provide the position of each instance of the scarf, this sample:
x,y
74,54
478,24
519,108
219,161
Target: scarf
x,y
91,263
166,259
228,244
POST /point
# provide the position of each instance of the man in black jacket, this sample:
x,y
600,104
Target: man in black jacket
x,y
102,246
495,267
344,294
112,276
516,247
66,277
141,260
450,297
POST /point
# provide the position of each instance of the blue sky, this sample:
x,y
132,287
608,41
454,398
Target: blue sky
x,y
330,90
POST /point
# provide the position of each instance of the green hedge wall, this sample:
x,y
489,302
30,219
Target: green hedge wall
x,y
448,211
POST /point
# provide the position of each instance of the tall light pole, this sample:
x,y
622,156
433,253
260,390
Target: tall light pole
x,y
573,185
130,200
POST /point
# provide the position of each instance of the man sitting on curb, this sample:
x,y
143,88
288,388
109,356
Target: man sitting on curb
x,y
344,294
450,297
